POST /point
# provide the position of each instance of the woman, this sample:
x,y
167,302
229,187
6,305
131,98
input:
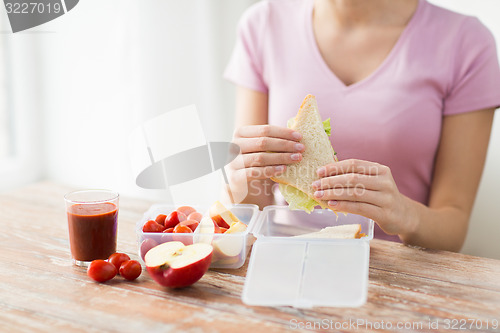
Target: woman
x,y
411,89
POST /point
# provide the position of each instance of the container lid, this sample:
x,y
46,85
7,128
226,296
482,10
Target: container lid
x,y
307,273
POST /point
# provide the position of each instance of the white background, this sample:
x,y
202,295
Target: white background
x,y
83,82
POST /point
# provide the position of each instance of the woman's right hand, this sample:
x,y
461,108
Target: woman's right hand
x,y
266,150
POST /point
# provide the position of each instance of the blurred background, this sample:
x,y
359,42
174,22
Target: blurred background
x,y
72,91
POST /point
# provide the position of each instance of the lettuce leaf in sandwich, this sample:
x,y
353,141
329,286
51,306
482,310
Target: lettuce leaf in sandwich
x,y
297,200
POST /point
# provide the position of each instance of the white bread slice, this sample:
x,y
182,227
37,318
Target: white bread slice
x,y
318,150
344,231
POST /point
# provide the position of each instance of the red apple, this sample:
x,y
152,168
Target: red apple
x,y
174,218
175,265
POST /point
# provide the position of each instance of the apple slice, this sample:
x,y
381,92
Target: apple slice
x,y
225,247
231,246
175,265
225,262
221,215
205,231
236,227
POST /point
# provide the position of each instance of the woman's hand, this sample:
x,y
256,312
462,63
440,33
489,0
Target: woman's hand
x,y
266,150
364,188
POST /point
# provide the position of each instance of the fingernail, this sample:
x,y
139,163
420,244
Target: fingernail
x,y
297,135
319,194
321,172
280,168
332,203
299,146
316,183
295,157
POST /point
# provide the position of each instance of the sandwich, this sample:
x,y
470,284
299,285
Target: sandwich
x,y
345,231
296,182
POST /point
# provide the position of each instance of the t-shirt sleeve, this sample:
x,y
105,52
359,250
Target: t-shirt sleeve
x,y
245,68
475,73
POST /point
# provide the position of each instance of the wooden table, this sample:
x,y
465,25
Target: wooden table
x,y
41,291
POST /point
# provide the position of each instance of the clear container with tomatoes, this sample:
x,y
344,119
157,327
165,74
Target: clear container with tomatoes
x,y
166,223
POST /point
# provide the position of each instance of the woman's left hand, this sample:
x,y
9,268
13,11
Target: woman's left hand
x,y
363,188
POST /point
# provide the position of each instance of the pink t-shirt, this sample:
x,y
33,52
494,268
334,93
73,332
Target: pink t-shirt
x,y
443,63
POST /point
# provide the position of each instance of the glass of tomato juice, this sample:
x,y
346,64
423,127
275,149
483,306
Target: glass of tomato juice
x,y
92,224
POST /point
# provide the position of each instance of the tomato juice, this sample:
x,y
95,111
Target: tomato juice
x,y
92,230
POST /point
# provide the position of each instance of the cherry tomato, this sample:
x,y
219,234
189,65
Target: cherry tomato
x,y
186,210
174,218
147,245
195,216
118,258
192,224
101,271
130,269
182,229
168,230
160,219
152,226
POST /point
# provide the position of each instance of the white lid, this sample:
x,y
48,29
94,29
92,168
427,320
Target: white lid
x,y
307,273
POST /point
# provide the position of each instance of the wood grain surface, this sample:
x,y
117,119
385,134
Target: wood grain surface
x,y
41,291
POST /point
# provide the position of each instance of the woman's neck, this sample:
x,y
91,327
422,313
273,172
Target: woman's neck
x,y
352,13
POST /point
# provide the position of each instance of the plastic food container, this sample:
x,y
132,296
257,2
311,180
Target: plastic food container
x,y
307,272
230,251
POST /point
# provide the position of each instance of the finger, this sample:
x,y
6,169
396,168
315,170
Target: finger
x,y
255,131
359,208
350,180
253,145
268,159
352,166
356,194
